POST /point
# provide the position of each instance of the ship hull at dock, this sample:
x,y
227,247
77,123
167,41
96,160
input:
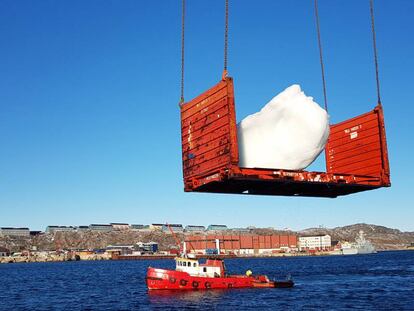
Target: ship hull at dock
x,y
158,279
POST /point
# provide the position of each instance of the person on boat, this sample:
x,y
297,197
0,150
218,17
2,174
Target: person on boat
x,y
249,272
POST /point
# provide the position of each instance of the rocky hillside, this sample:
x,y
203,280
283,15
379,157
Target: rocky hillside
x,y
382,237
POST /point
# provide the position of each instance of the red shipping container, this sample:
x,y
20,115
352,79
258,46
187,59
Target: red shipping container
x,y
275,241
227,242
284,240
246,241
211,241
235,243
293,240
256,244
268,242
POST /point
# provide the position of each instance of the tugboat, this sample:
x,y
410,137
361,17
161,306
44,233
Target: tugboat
x,y
190,274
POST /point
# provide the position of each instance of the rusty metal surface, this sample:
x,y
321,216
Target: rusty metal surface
x,y
358,147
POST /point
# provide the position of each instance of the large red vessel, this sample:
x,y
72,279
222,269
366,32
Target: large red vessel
x,y
192,275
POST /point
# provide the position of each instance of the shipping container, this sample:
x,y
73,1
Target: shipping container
x,y
284,240
235,243
246,241
356,153
293,241
268,242
275,241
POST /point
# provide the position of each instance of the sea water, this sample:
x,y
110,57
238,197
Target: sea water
x,y
383,281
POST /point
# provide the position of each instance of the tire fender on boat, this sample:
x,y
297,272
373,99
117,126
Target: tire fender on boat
x,y
183,282
207,284
172,280
230,285
195,284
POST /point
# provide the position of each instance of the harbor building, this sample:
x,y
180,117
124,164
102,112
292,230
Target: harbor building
x,y
119,226
193,228
100,227
137,227
150,247
4,252
82,228
155,227
241,244
217,228
10,231
177,228
315,242
53,229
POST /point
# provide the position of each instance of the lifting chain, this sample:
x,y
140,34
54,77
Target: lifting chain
x,y
374,42
321,55
182,51
226,38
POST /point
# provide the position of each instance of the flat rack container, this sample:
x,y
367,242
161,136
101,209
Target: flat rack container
x,y
356,153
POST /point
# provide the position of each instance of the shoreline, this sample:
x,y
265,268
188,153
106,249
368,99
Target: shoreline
x,y
101,257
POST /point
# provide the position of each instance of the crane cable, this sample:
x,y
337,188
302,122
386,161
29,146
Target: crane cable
x,y
374,42
320,54
226,38
182,51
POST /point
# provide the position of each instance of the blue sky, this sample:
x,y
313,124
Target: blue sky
x,y
89,116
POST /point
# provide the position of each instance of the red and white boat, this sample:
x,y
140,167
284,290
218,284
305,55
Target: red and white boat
x,y
192,275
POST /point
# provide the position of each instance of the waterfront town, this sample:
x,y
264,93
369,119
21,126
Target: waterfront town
x,y
122,241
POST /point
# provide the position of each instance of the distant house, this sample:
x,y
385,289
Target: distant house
x,y
173,227
122,249
119,226
150,247
217,228
192,228
53,229
240,230
100,227
137,227
11,231
4,252
82,228
156,227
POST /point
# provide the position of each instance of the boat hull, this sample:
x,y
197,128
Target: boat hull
x,y
170,279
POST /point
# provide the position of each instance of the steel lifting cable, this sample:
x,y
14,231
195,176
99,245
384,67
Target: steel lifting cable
x,y
226,37
374,41
182,50
320,54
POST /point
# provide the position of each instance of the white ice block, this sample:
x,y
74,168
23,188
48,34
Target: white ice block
x,y
288,133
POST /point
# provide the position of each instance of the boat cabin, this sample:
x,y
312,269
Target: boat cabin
x,y
211,268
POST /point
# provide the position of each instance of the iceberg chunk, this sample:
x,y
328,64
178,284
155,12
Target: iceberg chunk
x,y
288,133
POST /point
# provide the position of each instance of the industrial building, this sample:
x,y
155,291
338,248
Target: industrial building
x,y
217,228
177,228
53,229
193,228
100,227
245,244
119,226
10,231
315,242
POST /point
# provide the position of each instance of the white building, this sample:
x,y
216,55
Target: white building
x,y
119,226
315,242
14,231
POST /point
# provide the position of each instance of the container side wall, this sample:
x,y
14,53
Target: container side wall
x,y
358,146
209,132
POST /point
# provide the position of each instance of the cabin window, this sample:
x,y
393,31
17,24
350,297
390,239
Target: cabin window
x,y
194,264
204,269
189,264
184,264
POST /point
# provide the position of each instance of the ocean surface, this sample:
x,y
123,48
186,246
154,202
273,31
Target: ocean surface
x,y
383,281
